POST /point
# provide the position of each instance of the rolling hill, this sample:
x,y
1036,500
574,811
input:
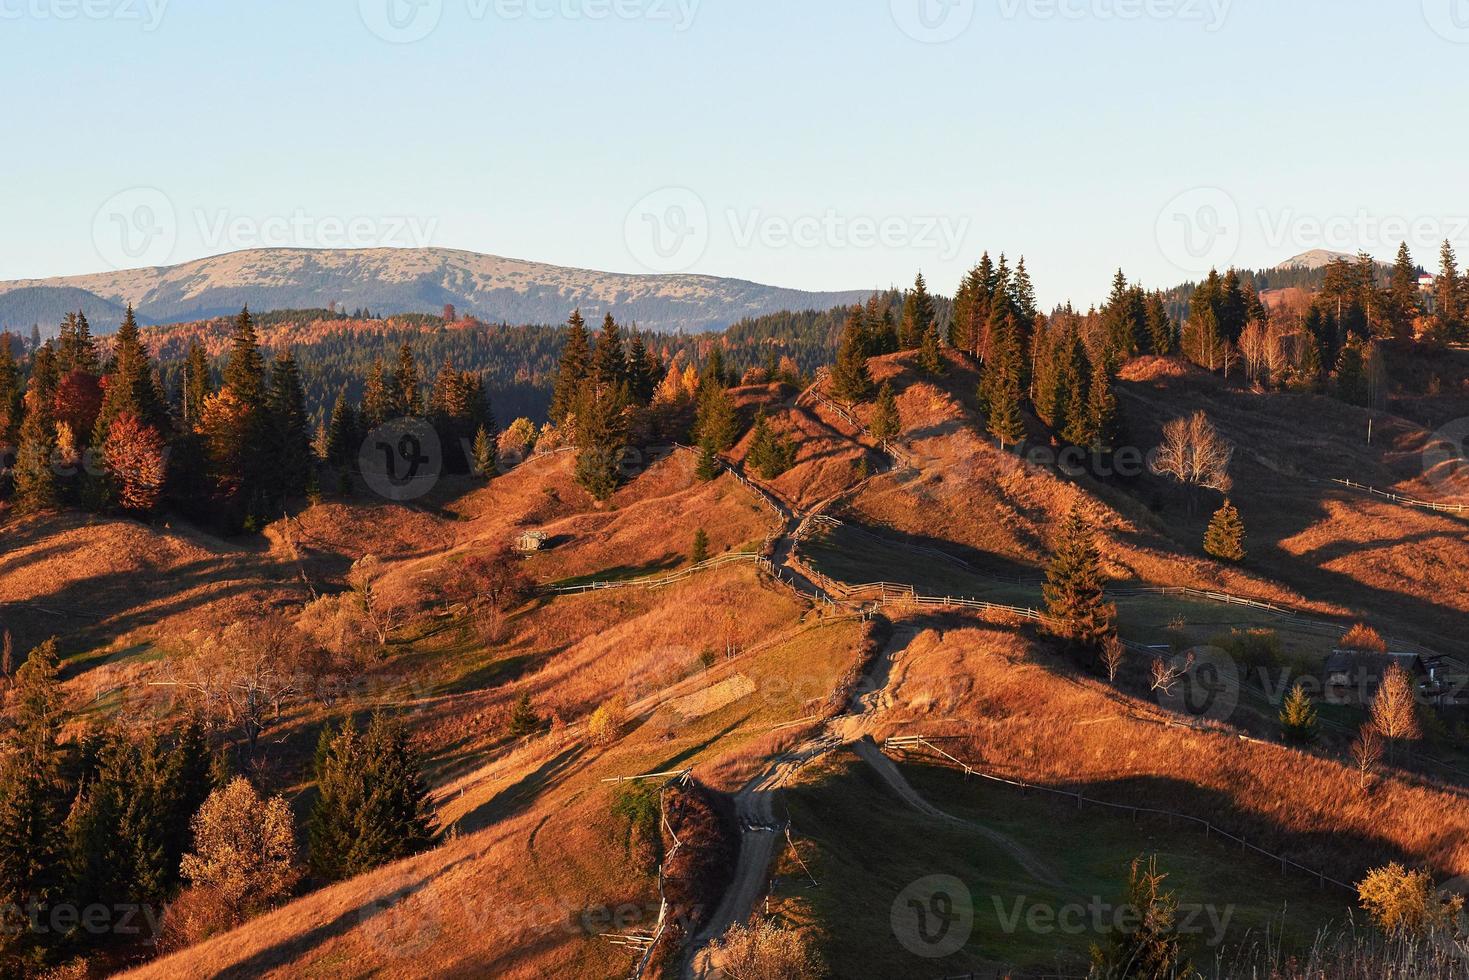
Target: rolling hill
x,y
489,287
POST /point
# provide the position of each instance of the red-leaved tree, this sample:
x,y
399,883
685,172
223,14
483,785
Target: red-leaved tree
x,y
134,458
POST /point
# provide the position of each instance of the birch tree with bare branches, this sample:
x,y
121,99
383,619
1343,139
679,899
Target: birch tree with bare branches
x,y
1194,454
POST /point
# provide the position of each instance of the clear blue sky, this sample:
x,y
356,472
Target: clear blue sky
x,y
531,128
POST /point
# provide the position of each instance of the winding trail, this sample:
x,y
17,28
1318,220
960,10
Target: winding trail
x,y
761,830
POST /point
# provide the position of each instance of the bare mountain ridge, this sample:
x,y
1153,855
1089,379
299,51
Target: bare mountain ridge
x,y
384,280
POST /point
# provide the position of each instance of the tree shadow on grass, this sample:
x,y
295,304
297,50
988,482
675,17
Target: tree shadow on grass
x,y
518,797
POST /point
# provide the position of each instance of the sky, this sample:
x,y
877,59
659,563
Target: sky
x,y
817,144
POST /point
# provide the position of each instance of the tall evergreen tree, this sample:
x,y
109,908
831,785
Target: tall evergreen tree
x,y
1225,538
244,372
642,371
717,424
343,435
290,438
886,423
1161,335
198,384
377,399
34,475
576,360
405,393
1404,304
601,439
32,807
373,806
1101,411
10,393
1076,604
918,315
131,386
609,358
850,380
76,350
930,352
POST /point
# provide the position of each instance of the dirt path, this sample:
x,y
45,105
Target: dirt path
x,y
761,831
1038,869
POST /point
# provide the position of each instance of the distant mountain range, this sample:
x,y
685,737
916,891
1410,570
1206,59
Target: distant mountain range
x,y
386,281
1317,258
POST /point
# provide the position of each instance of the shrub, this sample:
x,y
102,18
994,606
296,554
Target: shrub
x,y
1365,639
765,951
1252,647
607,722
523,718
1403,901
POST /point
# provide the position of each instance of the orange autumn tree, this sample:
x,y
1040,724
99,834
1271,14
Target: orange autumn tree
x,y
133,455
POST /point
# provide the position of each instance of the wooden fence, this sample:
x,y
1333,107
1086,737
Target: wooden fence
x,y
659,581
1460,509
908,743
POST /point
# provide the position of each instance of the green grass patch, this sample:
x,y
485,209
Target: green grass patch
x,y
867,848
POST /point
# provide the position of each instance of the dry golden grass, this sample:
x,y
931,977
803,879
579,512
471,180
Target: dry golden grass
x,y
1017,709
966,491
1408,569
541,865
828,460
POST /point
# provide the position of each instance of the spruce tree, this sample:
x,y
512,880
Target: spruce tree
x,y
76,350
244,372
523,718
1404,303
1225,537
716,423
1351,376
32,801
601,439
1076,603
700,552
642,374
1298,719
484,454
377,402
405,393
1101,412
609,359
131,386
918,315
372,806
10,393
34,475
198,385
1005,422
709,466
292,459
850,380
1162,337
930,353
886,423
343,435
770,455
971,309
